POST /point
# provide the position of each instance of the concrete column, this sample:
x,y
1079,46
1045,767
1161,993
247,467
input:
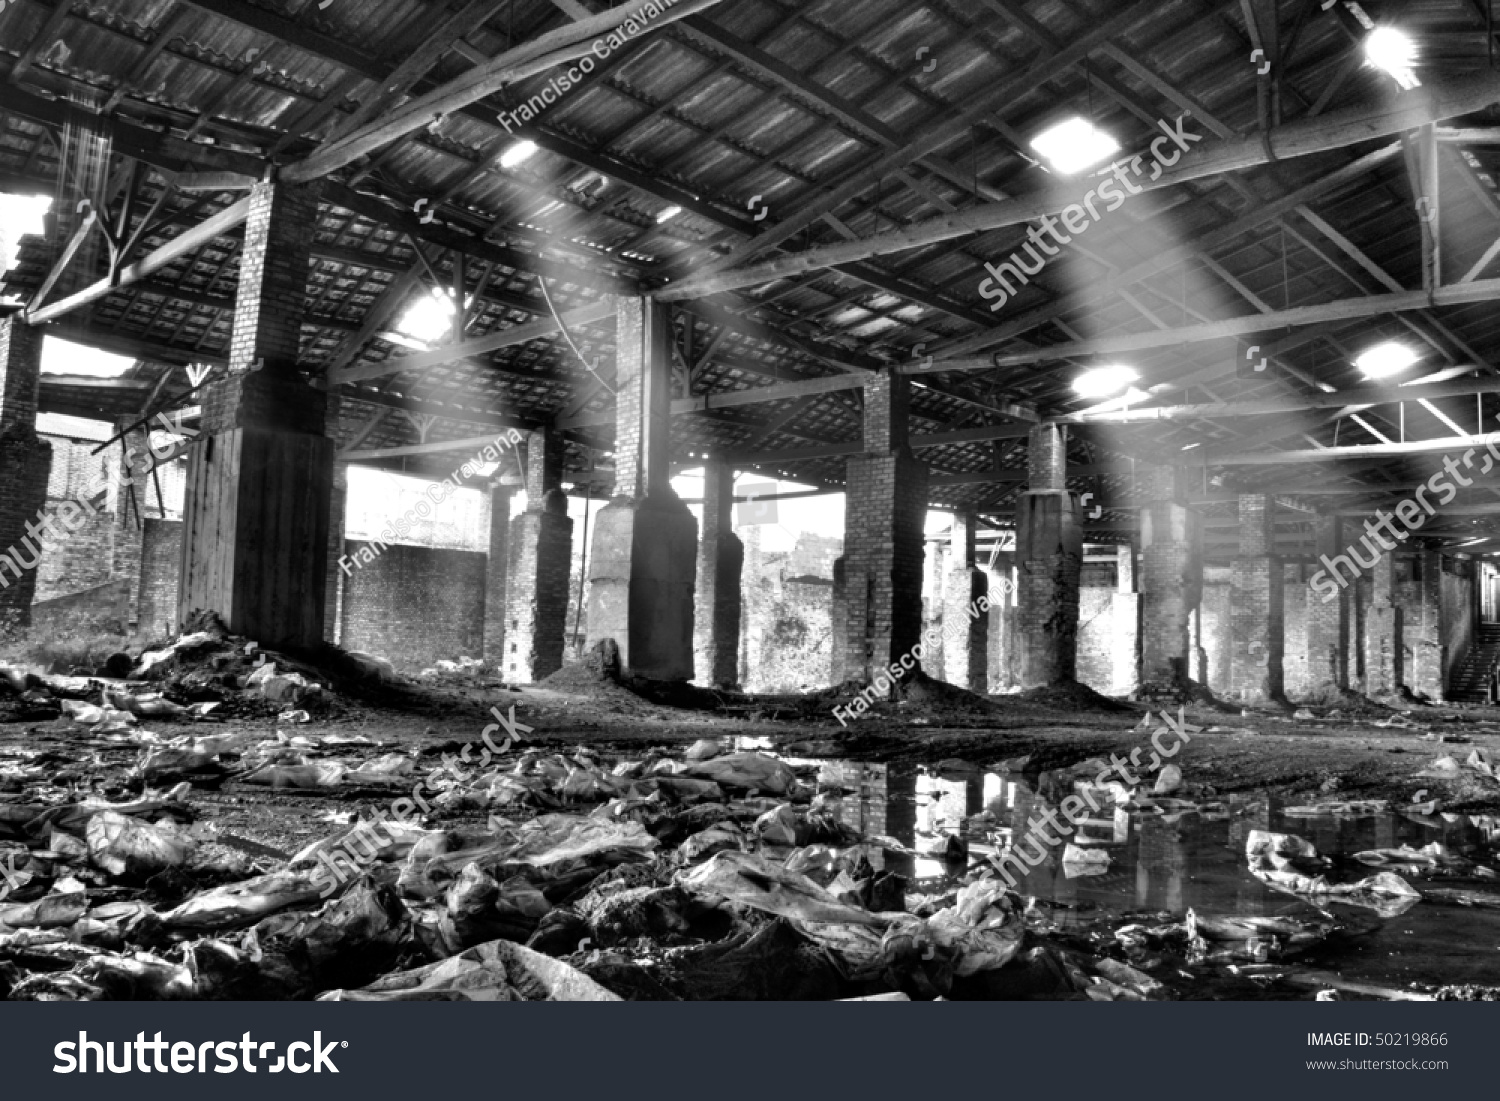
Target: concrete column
x,y
966,654
259,486
1256,614
1171,581
1126,636
497,573
25,464
886,512
540,555
643,562
721,558
1327,615
1049,557
1383,630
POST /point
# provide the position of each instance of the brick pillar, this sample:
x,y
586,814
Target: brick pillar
x,y
643,565
838,619
1328,614
25,464
1383,629
1049,556
496,573
255,519
541,552
1171,581
886,512
966,653
1002,615
1256,613
1125,638
134,492
934,605
721,558
338,506
1424,629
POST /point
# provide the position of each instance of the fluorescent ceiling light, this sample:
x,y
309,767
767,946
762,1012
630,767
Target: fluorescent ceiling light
x,y
668,214
1074,145
1389,49
1385,360
517,153
1101,382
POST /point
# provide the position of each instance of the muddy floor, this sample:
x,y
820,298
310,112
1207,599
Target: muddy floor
x,y
655,842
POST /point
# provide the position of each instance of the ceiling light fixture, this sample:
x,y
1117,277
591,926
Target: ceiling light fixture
x,y
1074,145
668,214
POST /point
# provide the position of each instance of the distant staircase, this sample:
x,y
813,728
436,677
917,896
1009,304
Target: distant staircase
x,y
1472,679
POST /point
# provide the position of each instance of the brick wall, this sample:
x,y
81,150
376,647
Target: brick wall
x,y
161,549
414,605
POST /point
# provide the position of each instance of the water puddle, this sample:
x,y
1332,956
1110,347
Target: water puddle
x,y
1166,860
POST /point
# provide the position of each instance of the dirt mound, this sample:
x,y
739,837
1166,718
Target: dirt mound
x,y
1072,696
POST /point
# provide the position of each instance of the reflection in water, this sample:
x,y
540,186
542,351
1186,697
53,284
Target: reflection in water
x,y
1190,858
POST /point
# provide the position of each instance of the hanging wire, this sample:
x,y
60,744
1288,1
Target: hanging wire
x,y
565,335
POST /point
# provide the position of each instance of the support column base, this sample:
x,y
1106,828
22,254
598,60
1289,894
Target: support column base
x,y
255,534
27,463
717,631
642,579
541,552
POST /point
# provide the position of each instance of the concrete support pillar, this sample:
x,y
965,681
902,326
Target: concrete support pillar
x,y
1049,558
497,573
1125,655
540,552
1384,672
1256,612
886,513
965,659
721,558
25,463
255,519
1327,617
1171,581
643,564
